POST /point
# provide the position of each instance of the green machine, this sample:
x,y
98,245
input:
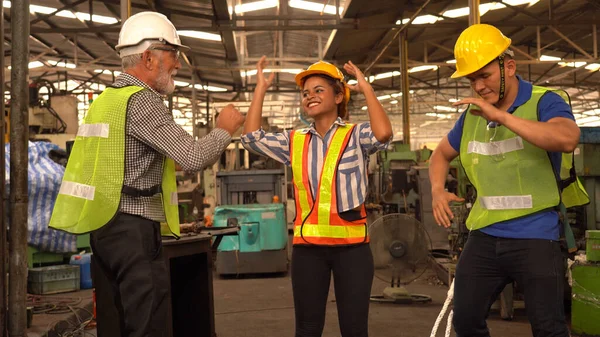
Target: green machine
x,y
585,299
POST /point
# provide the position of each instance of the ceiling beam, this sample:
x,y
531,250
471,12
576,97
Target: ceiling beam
x,y
114,28
64,8
222,16
167,11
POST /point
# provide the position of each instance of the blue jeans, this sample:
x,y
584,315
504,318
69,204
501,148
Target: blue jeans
x,y
489,263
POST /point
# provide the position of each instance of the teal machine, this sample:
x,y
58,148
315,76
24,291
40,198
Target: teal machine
x,y
253,200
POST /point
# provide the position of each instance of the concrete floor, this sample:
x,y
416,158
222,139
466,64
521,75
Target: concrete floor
x,y
263,306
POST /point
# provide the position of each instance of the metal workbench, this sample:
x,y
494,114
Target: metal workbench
x,y
191,311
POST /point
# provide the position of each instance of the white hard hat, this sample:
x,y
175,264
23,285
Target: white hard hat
x,y
142,29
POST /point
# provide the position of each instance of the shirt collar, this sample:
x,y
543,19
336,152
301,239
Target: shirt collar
x,y
125,79
523,94
337,123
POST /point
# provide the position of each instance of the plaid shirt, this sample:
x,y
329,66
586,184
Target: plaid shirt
x,y
150,135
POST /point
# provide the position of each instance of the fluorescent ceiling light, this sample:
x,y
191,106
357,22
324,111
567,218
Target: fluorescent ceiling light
x,y
95,18
254,72
464,11
394,102
549,58
34,64
422,68
592,112
398,94
587,120
458,12
444,108
572,64
451,61
62,64
386,75
421,20
36,9
210,88
353,82
364,108
107,72
200,35
596,123
314,7
453,100
181,83
593,66
381,98
431,114
254,6
521,2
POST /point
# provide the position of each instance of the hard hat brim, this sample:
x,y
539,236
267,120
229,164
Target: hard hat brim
x,y
302,75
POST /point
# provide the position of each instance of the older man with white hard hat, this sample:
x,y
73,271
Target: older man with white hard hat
x,y
120,184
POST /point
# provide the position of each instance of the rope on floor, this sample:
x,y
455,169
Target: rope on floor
x,y
447,303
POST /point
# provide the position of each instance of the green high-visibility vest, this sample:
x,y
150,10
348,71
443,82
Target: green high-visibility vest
x,y
513,177
90,192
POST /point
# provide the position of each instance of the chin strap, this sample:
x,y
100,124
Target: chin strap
x,y
502,79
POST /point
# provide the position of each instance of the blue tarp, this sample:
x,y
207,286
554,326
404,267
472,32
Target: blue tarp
x,y
45,177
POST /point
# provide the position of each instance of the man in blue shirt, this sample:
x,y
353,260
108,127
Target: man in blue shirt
x,y
510,240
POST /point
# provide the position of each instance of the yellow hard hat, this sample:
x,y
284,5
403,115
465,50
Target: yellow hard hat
x,y
477,46
324,68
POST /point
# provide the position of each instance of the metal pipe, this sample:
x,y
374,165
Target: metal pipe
x,y
125,11
569,41
405,88
3,241
595,41
19,134
396,35
115,28
194,106
474,17
539,41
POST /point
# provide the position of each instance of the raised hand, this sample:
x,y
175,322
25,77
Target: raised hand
x,y
362,84
261,80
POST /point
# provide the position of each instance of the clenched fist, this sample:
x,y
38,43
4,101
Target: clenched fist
x,y
230,119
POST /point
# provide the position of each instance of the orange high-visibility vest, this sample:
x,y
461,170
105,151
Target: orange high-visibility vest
x,y
317,221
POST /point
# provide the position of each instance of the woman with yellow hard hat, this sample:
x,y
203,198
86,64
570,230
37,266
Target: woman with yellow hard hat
x,y
511,141
329,166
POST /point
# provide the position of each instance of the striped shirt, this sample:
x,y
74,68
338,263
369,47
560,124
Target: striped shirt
x,y
352,171
150,135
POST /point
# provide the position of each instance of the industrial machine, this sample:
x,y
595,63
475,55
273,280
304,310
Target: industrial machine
x,y
255,201
586,289
400,247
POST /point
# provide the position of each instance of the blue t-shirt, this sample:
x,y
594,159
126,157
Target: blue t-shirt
x,y
543,225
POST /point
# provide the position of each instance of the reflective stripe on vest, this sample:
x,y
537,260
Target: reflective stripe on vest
x,y
317,221
513,178
90,192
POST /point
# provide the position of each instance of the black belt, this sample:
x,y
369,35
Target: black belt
x,y
136,192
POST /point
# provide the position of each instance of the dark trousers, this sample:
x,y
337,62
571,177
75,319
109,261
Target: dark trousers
x,y
352,268
489,263
129,251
